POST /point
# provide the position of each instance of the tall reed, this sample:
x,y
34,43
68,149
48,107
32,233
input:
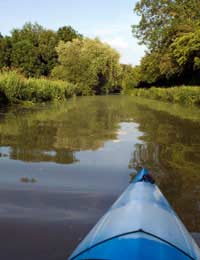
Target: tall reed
x,y
15,88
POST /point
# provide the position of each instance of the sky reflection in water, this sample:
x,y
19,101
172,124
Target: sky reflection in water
x,y
63,165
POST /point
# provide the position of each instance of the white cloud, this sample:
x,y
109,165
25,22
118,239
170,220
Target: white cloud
x,y
120,38
117,42
111,30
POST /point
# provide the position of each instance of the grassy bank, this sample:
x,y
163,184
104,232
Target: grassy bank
x,y
183,95
15,88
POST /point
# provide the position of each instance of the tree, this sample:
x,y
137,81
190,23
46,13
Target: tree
x,y
162,20
5,51
150,67
131,77
91,64
170,29
186,49
67,33
31,49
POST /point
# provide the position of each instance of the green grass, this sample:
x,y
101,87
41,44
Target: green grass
x,y
15,88
183,95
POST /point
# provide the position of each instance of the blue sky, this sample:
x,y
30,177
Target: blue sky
x,y
110,20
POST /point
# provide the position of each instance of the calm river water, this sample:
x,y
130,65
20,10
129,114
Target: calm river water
x,y
63,165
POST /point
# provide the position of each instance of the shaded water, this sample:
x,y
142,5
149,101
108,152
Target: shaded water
x,y
63,165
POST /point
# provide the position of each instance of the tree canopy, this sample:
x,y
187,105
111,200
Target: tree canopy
x,y
31,49
92,65
171,31
65,54
67,34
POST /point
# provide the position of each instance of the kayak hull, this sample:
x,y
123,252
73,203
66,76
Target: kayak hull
x,y
140,225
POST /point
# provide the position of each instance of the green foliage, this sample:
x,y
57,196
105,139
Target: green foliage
x,y
150,67
155,18
183,95
90,64
15,88
67,33
32,48
157,66
186,49
171,31
5,51
162,20
130,77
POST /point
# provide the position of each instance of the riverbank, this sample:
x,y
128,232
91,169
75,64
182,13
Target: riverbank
x,y
15,88
185,95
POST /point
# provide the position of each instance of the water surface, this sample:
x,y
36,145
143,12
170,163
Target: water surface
x,y
63,165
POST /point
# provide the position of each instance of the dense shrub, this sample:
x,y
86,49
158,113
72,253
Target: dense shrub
x,y
15,88
183,95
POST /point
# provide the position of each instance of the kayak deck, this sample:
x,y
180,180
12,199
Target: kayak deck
x,y
140,225
137,245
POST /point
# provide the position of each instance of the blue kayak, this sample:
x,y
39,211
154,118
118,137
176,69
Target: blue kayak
x,y
140,225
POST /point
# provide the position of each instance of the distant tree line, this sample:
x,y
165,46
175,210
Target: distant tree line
x,y
32,49
171,31
92,66
169,28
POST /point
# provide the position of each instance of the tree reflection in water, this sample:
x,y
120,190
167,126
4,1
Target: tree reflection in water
x,y
169,145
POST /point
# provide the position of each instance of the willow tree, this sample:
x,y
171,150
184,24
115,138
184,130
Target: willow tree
x,y
90,64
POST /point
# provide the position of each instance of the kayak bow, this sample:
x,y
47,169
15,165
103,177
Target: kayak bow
x,y
140,225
